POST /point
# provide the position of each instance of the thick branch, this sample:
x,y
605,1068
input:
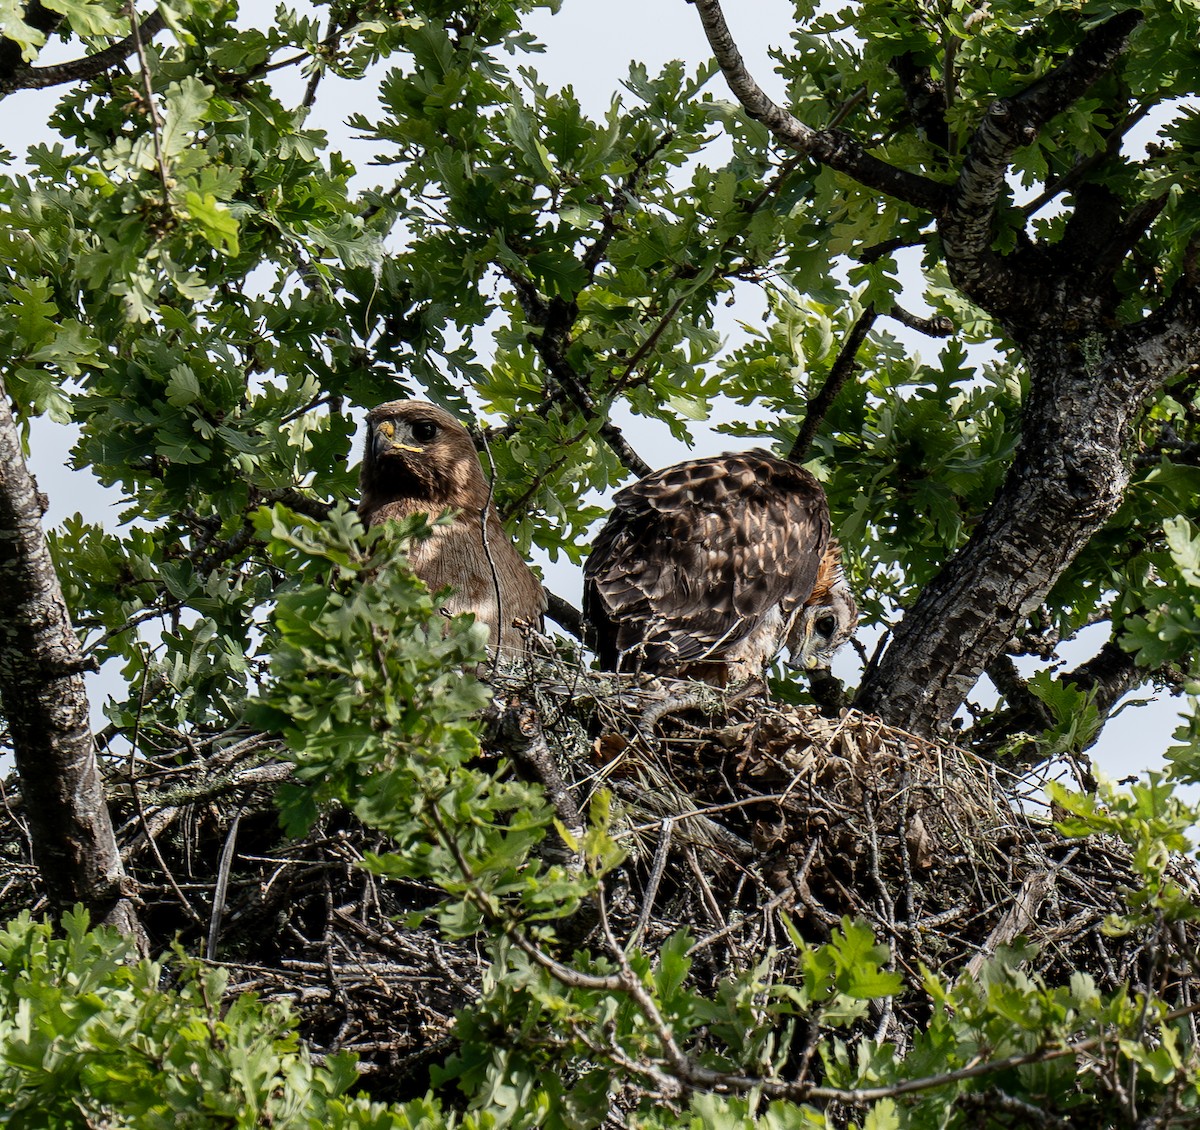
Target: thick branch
x,y
515,729
46,706
11,63
838,150
926,99
1066,481
24,77
564,614
1009,124
1167,341
1100,234
1109,675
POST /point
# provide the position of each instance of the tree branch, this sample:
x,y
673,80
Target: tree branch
x,y
1009,124
843,368
36,16
926,99
46,706
515,728
564,614
937,326
840,151
555,317
1167,341
1081,168
25,77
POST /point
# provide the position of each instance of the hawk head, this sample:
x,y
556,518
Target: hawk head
x,y
417,450
821,627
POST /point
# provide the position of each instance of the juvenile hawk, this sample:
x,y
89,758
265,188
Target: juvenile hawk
x,y
420,460
708,568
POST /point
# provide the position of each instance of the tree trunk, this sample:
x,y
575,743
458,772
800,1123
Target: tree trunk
x,y
46,707
1067,479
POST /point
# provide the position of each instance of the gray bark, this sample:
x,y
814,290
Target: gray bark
x,y
1067,480
46,707
1088,378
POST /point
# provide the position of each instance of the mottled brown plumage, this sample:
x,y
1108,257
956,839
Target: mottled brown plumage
x,y
420,460
708,568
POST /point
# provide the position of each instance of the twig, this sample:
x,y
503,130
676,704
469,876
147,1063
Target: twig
x,y
484,515
222,886
626,379
840,372
151,107
661,854
135,793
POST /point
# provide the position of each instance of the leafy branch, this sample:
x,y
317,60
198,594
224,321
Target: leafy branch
x,y
832,147
25,77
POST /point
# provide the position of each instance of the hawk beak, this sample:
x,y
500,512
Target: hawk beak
x,y
385,439
809,662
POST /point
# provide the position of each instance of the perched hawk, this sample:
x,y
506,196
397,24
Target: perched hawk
x,y
708,568
420,460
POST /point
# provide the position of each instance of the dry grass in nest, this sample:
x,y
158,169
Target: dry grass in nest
x,y
738,815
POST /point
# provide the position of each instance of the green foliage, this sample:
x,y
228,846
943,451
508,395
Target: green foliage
x,y
192,277
90,1035
1171,630
369,682
375,694
1184,758
1158,826
1076,720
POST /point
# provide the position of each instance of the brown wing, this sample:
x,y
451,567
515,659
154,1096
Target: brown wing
x,y
695,556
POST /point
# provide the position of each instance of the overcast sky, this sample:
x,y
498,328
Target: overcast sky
x,y
589,46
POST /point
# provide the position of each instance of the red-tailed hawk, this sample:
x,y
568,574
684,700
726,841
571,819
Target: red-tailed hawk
x,y
420,460
708,568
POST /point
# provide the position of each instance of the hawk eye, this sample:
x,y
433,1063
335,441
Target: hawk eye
x,y
826,625
424,430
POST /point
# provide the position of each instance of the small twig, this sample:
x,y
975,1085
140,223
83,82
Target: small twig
x,y
314,80
661,854
151,107
222,887
706,893
521,504
150,612
841,371
626,379
484,515
139,808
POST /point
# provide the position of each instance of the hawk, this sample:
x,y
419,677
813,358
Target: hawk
x,y
420,460
708,568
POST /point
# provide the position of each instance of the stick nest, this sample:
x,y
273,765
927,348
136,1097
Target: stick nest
x,y
734,812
